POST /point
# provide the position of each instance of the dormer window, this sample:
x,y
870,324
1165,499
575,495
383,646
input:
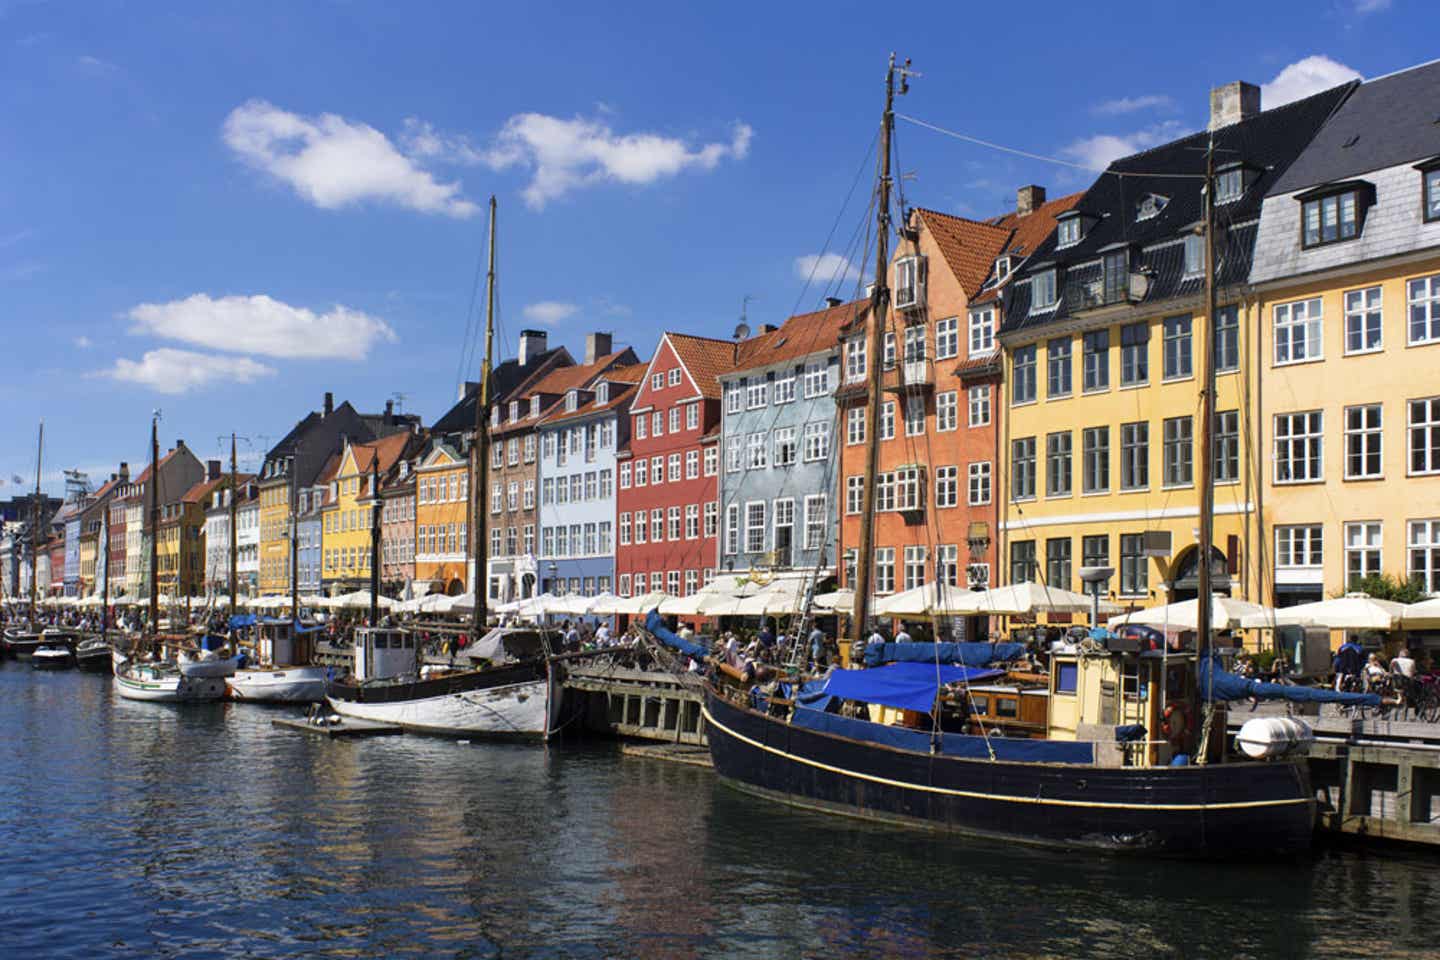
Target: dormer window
x,y
1042,290
1002,268
534,406
1333,214
495,416
1229,185
1194,255
909,282
1150,206
1430,189
514,409
602,393
1067,230
572,399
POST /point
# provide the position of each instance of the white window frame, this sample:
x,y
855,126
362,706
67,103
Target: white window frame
x,y
755,528
1422,294
1044,282
854,426
947,338
815,520
1304,542
785,388
1361,307
1305,317
1310,434
787,449
756,452
982,331
673,377
816,441
711,464
1427,431
947,411
978,399
817,379
1422,552
1364,546
947,487
980,483
854,495
1370,438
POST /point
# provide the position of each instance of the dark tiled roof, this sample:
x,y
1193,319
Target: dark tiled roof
x,y
505,379
1384,123
1267,143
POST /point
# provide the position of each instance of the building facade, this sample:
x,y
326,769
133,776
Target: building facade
x,y
781,463
667,523
579,440
1105,340
398,527
1346,304
442,497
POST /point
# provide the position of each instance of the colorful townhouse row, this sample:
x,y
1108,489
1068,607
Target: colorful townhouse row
x,y
1041,375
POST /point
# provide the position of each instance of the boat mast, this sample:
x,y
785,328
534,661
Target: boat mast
x,y
480,462
294,535
234,547
105,581
1203,621
35,524
154,520
375,539
875,334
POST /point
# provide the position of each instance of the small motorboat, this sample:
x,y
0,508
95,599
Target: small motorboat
x,y
161,681
21,644
92,655
52,656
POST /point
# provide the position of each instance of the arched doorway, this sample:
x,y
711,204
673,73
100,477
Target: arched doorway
x,y
1184,579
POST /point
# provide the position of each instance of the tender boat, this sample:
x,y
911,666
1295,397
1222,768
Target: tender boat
x,y
161,681
22,644
52,656
513,700
93,655
281,673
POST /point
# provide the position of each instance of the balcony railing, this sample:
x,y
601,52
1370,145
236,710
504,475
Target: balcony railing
x,y
1128,288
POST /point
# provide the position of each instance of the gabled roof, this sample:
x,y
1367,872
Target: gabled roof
x,y
330,470
1385,122
968,246
198,492
560,381
438,449
800,336
706,359
506,378
620,395
1027,233
630,373
380,454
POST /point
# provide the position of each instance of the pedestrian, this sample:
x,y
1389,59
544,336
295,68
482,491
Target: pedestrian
x,y
904,635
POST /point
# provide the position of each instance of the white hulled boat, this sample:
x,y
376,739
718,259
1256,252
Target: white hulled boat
x,y
280,673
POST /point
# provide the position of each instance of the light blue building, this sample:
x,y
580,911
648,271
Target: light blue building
x,y
578,442
309,530
781,448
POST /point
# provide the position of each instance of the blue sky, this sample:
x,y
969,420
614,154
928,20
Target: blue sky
x,y
224,210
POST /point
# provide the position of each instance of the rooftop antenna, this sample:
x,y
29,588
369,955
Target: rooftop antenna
x,y
399,397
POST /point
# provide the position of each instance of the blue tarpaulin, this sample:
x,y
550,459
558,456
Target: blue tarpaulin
x,y
908,686
656,625
950,744
242,620
965,654
1219,684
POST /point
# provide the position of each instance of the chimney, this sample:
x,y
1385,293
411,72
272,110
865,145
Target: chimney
x,y
597,345
1028,199
1232,103
766,328
212,469
124,471
329,407
389,412
179,445
532,344
833,301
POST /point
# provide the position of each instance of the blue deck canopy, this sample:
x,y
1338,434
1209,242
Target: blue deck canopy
x,y
907,686
965,654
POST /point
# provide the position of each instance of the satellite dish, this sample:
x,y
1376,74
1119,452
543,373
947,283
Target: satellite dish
x,y
742,330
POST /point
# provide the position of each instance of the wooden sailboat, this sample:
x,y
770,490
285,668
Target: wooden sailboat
x,y
520,699
22,642
144,676
1089,776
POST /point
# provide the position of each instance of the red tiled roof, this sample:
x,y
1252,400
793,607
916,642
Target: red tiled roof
x,y
1035,226
381,453
801,335
631,373
560,381
197,493
968,246
707,359
619,396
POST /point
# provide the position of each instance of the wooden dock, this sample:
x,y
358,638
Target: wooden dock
x,y
644,704
1372,778
343,728
670,752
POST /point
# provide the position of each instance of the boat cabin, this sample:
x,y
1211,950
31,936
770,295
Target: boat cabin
x,y
278,643
382,652
1007,709
1091,695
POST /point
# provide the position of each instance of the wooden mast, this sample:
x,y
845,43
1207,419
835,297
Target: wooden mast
x,y
154,606
875,334
295,535
105,581
480,450
375,538
35,524
1203,621
234,547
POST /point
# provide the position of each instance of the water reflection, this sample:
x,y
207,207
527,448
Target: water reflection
x,y
136,829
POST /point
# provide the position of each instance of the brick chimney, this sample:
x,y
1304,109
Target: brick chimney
x,y
329,407
212,469
1028,199
124,472
597,345
1233,102
389,412
532,344
833,301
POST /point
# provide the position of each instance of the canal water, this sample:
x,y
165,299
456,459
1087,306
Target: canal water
x,y
140,830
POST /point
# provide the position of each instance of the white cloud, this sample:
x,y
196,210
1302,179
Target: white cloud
x,y
263,325
179,371
1097,152
826,268
1122,105
549,312
565,155
333,162
83,342
1304,77
1363,7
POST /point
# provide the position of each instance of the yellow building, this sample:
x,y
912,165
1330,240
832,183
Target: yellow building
x,y
1346,284
1104,334
347,518
442,497
275,533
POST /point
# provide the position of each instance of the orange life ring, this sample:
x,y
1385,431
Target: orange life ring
x,y
1176,722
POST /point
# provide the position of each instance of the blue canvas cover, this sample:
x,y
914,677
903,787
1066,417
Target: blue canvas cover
x,y
907,686
965,654
951,744
656,625
242,620
1218,684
